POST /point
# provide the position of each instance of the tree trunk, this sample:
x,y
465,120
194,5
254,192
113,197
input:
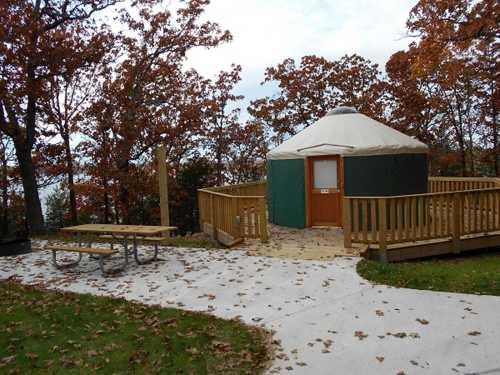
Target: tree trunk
x,y
71,183
34,215
4,225
123,193
463,161
496,146
106,200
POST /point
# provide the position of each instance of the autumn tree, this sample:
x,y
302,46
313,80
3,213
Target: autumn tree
x,y
5,160
69,96
452,74
247,152
37,42
152,100
222,119
308,91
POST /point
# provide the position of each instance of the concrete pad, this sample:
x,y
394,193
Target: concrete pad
x,y
322,243
328,319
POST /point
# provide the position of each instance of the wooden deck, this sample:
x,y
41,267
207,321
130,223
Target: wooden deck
x,y
234,212
414,226
441,246
457,214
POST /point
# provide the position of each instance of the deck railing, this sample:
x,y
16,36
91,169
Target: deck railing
x,y
231,213
410,218
446,184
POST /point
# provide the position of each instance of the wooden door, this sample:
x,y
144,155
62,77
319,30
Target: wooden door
x,y
325,191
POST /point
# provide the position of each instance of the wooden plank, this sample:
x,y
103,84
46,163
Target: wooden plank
x,y
442,217
213,219
364,220
481,211
413,221
400,219
449,213
356,220
373,212
434,216
488,211
141,239
456,214
442,246
497,210
346,223
77,249
392,220
428,217
263,220
144,230
163,185
475,206
383,223
407,218
420,218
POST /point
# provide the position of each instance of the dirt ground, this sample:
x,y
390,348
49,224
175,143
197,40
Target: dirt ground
x,y
309,243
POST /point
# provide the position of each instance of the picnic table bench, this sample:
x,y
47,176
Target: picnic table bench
x,y
117,233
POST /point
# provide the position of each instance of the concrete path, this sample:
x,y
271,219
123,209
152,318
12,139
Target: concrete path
x,y
328,319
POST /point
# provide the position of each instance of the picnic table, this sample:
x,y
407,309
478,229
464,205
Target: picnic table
x,y
117,233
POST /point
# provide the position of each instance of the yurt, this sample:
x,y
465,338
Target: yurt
x,y
344,153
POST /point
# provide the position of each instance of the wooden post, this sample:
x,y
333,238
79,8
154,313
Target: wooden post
x,y
213,217
162,182
263,220
201,209
455,230
236,217
383,226
347,223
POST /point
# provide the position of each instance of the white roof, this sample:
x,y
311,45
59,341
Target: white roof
x,y
344,131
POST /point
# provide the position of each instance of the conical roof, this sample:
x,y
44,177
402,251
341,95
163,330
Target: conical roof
x,y
344,131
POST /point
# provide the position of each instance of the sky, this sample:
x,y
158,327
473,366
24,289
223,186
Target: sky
x,y
265,32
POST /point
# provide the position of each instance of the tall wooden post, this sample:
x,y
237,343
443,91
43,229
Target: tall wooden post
x,y
162,182
457,213
346,223
382,243
262,219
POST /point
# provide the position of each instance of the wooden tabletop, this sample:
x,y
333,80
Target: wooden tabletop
x,y
139,230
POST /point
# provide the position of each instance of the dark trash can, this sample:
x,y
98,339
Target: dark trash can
x,y
14,246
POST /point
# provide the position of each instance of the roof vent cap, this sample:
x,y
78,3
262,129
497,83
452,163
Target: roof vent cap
x,y
342,111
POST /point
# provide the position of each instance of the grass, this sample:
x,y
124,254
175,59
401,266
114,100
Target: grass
x,y
475,273
46,332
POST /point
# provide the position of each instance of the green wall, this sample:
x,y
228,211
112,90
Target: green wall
x,y
285,192
385,175
378,175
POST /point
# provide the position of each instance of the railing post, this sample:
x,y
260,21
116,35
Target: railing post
x,y
263,220
236,217
346,223
382,244
163,187
201,209
457,215
213,217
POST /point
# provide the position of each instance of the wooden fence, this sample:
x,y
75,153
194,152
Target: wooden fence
x,y
407,219
446,184
231,213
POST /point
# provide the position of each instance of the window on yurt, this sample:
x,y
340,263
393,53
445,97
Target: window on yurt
x,y
325,174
